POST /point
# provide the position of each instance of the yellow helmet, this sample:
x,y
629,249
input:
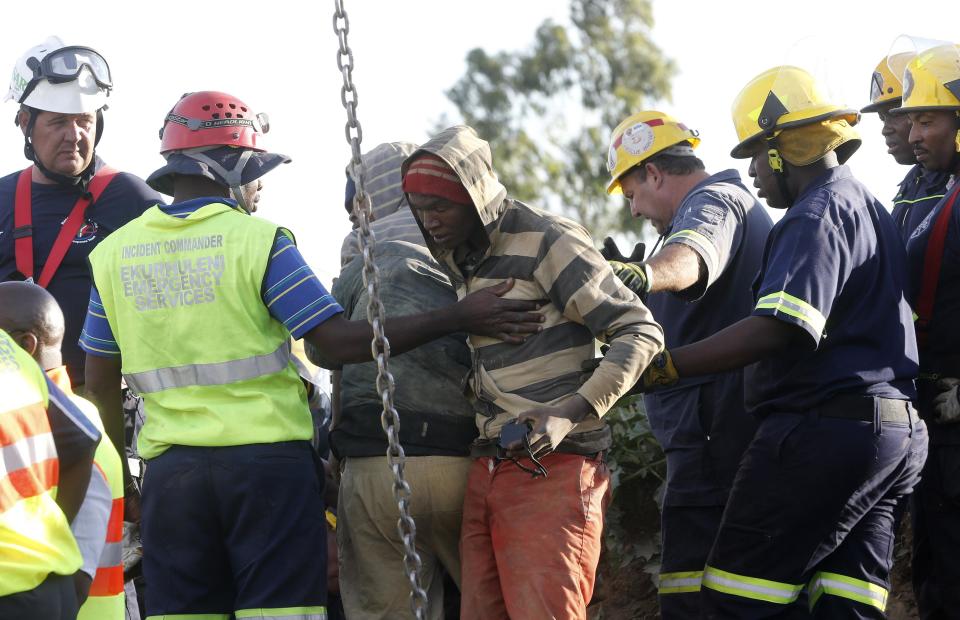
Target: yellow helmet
x,y
931,80
781,98
640,137
885,84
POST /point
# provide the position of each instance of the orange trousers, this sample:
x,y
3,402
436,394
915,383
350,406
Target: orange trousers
x,y
529,547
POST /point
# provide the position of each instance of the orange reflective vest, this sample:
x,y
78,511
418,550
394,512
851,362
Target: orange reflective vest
x,y
35,537
106,598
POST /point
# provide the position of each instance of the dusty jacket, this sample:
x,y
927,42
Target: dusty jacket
x,y
436,418
552,259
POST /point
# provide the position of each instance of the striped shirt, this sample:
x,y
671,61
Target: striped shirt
x,y
552,259
291,291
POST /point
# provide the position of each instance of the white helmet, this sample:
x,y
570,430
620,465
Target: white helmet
x,y
54,77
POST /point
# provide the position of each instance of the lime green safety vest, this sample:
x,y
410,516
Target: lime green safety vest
x,y
183,299
35,538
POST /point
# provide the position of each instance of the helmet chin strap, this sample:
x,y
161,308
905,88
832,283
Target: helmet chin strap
x,y
775,161
956,136
233,178
81,180
237,193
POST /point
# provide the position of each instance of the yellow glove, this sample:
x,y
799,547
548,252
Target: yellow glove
x,y
660,373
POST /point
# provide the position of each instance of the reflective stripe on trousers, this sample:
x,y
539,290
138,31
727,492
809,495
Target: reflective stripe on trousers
x,y
282,613
785,593
750,587
219,373
681,582
847,587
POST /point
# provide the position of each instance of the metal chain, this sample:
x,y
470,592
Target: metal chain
x,y
380,346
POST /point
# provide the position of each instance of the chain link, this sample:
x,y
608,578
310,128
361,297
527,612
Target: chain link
x,y
379,346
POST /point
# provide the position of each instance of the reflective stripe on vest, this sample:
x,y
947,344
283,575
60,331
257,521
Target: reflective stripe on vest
x,y
284,613
847,587
32,477
109,578
26,452
750,587
106,599
680,583
220,373
35,538
184,301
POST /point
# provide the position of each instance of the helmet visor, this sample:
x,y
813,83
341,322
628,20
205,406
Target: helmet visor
x,y
65,65
904,48
930,75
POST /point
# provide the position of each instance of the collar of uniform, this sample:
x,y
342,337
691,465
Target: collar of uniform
x,y
61,379
838,173
720,177
187,207
728,175
915,174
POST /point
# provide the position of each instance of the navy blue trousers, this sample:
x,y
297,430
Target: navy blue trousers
x,y
936,529
687,533
54,599
809,527
233,528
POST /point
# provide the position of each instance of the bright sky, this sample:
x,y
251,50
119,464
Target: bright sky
x,y
280,58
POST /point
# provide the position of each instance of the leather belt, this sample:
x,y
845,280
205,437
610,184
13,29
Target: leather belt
x,y
864,409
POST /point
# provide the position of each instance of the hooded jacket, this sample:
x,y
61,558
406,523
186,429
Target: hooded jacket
x,y
552,259
392,219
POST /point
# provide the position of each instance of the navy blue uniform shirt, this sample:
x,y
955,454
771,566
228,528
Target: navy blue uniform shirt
x,y
942,354
835,266
919,193
701,422
124,199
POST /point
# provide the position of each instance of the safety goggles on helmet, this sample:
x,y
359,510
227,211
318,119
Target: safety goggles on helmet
x,y
65,65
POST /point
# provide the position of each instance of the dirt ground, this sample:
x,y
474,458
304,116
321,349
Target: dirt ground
x,y
629,592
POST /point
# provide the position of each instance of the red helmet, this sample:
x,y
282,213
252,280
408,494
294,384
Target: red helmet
x,y
210,118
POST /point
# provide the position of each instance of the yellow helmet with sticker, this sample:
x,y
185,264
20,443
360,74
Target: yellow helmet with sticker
x,y
886,85
931,80
781,98
641,136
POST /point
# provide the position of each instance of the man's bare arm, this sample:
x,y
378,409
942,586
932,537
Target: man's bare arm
x,y
484,312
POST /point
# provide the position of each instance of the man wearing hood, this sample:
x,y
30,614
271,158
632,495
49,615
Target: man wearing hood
x,y
194,304
390,215
533,513
436,421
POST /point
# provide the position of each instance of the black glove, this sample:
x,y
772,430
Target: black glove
x,y
631,270
610,251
